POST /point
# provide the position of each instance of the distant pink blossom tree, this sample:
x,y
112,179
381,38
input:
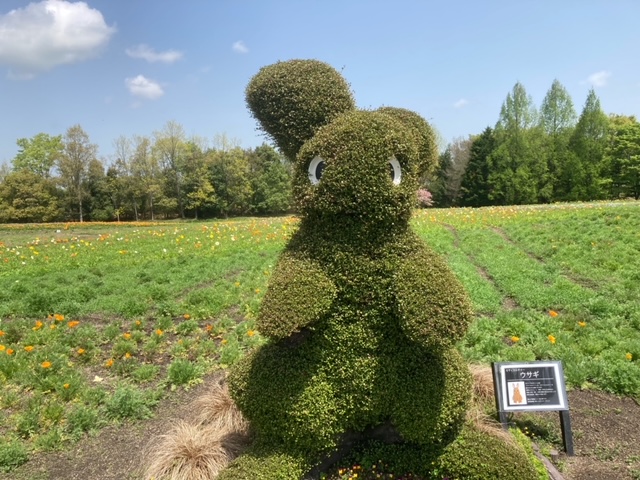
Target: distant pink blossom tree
x,y
425,199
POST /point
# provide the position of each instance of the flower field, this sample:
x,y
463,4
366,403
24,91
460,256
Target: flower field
x,y
99,321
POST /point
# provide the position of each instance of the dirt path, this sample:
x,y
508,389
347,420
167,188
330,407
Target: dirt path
x,y
116,453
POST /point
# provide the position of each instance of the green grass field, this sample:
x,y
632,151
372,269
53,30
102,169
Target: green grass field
x,y
99,321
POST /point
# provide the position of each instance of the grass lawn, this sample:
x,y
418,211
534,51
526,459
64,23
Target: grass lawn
x,y
99,321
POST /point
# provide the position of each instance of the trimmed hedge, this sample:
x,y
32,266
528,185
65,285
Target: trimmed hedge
x,y
292,99
424,135
362,317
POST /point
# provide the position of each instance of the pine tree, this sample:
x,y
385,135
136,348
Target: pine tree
x,y
475,183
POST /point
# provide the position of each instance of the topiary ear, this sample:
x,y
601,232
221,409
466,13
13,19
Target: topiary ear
x,y
422,132
292,99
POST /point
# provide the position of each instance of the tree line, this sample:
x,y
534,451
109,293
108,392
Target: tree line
x,y
530,156
165,175
542,155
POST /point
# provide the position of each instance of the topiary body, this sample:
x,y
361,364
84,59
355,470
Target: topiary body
x,y
361,315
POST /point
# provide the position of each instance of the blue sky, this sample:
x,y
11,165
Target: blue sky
x,y
126,67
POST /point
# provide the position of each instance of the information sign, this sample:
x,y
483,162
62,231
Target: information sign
x,y
533,386
530,386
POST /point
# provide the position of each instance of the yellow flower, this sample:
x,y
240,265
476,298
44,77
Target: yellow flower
x,y
73,323
553,313
58,317
127,335
81,351
582,324
138,323
109,363
552,339
224,341
66,386
127,355
186,316
46,364
2,348
628,356
52,327
38,326
251,333
159,332
28,348
237,284
515,339
257,290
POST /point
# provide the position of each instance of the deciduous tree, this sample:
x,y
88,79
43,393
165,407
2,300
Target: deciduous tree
x,y
73,166
38,154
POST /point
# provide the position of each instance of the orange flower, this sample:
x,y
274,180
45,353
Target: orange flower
x,y
629,356
250,333
28,348
127,355
186,316
159,332
127,335
58,317
208,327
81,351
66,386
553,313
515,339
138,323
582,324
109,363
38,326
2,333
73,323
552,339
46,364
10,351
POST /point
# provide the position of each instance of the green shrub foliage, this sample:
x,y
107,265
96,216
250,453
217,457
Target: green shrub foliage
x,y
361,316
424,135
292,99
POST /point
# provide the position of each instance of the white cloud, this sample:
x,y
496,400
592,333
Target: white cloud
x,y
599,79
461,103
150,55
141,86
49,33
240,47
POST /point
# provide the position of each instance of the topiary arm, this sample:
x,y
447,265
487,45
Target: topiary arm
x,y
299,294
433,307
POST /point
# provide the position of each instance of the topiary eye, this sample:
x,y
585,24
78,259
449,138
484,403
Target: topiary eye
x,y
395,171
316,167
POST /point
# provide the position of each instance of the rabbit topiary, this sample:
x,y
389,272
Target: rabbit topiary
x,y
362,317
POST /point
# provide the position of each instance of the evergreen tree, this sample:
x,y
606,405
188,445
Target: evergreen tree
x,y
588,144
557,120
475,187
518,174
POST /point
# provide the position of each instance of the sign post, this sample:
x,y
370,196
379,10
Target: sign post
x,y
532,386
